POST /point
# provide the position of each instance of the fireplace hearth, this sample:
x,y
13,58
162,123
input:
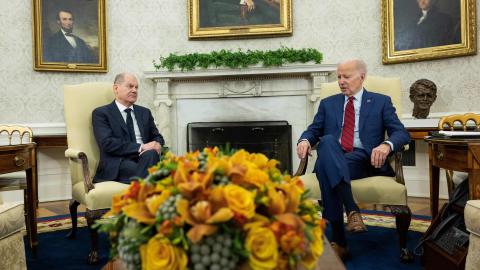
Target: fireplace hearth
x,y
272,138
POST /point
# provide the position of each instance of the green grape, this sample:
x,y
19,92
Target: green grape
x,y
226,252
199,267
206,260
204,249
227,242
224,262
217,247
215,257
196,258
215,267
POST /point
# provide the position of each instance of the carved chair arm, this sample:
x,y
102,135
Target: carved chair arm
x,y
80,155
399,166
302,167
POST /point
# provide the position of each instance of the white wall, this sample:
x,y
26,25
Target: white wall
x,y
141,31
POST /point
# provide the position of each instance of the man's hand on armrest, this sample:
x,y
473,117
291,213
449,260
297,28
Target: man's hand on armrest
x,y
303,148
151,146
380,154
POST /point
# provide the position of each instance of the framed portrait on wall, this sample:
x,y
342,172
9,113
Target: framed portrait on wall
x,y
417,30
239,18
69,35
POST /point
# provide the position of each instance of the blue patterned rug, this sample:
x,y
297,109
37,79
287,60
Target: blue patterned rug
x,y
375,249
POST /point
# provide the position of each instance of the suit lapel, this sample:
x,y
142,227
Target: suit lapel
x,y
339,102
139,118
367,104
117,115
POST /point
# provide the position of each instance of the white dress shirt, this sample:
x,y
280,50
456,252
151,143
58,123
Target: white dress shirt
x,y
122,108
70,39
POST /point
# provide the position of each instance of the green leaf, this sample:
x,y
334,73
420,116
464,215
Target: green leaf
x,y
238,59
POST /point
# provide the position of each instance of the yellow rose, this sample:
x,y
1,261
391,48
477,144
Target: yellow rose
x,y
262,247
240,200
260,160
316,248
255,176
317,244
159,254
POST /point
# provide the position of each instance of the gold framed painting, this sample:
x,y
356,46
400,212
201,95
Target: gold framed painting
x,y
239,18
417,30
69,35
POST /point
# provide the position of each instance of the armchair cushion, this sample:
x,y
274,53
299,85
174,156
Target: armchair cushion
x,y
472,212
375,189
100,197
12,219
12,250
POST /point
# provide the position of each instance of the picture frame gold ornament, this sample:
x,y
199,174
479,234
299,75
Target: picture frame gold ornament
x,y
54,51
227,19
401,45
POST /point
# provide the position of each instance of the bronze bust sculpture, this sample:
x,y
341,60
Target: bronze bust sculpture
x,y
423,93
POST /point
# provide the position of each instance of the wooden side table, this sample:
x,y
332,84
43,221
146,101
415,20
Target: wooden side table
x,y
453,154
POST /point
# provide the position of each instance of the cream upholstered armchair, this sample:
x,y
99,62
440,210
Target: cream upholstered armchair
x,y
383,190
12,250
472,212
79,102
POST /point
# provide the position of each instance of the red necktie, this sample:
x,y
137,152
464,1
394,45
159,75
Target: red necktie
x,y
348,126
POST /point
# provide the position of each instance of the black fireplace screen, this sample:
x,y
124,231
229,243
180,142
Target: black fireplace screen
x,y
272,138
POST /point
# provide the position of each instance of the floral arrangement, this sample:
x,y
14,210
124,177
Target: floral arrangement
x,y
215,210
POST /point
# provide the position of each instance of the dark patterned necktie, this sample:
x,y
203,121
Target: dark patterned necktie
x,y
131,130
348,126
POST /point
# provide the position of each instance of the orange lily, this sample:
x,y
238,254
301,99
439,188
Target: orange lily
x,y
202,218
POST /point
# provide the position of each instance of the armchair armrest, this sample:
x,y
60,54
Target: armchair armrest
x,y
302,167
80,155
397,156
74,153
399,164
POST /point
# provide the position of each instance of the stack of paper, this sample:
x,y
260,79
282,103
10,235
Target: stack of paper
x,y
459,133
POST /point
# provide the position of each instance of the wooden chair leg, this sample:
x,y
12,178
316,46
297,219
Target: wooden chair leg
x,y
73,215
403,216
91,216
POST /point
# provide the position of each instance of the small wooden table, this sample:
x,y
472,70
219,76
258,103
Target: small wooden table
x,y
453,154
328,260
22,157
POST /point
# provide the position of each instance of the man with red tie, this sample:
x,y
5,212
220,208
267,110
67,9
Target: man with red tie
x,y
350,131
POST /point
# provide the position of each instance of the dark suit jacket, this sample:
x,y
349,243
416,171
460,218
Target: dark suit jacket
x,y
112,137
377,115
437,29
58,49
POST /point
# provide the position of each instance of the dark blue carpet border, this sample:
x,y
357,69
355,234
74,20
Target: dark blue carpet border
x,y
375,249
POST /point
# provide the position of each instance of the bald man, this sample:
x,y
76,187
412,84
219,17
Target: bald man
x,y
126,134
350,131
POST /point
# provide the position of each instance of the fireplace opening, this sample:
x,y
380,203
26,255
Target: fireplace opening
x,y
271,138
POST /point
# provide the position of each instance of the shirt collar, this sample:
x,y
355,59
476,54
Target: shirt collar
x,y
122,107
357,96
64,32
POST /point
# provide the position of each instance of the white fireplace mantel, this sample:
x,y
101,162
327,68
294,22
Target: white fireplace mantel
x,y
287,70
176,92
